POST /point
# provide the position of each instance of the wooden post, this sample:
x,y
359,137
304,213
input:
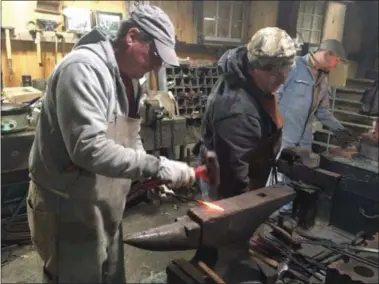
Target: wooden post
x,y
334,20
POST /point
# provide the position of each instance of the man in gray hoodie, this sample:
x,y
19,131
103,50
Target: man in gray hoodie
x,y
87,149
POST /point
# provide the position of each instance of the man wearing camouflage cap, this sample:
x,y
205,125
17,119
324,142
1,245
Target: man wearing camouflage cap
x,y
241,121
87,149
305,96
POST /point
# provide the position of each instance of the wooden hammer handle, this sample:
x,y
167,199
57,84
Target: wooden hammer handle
x,y
38,44
8,44
211,273
269,261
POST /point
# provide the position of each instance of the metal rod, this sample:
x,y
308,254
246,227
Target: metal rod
x,y
355,257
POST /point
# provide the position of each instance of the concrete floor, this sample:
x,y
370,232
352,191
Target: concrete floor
x,y
25,265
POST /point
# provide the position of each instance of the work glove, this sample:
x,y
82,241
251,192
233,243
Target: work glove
x,y
344,137
165,191
179,174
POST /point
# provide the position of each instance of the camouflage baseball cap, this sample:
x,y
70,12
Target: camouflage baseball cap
x,y
271,47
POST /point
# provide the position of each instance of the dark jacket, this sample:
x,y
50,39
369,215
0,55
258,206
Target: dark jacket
x,y
370,101
234,122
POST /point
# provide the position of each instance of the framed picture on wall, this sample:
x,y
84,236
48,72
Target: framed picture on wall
x,y
108,22
77,20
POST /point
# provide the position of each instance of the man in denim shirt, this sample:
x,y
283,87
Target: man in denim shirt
x,y
305,96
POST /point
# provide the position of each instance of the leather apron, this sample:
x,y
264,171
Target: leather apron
x,y
263,159
79,235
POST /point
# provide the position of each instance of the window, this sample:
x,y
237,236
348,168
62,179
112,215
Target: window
x,y
223,20
310,21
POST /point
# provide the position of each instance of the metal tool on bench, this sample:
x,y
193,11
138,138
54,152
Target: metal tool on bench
x,y
339,248
8,31
221,238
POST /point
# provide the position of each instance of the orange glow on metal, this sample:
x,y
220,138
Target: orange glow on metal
x,y
212,206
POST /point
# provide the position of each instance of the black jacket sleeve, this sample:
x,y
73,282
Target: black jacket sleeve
x,y
236,138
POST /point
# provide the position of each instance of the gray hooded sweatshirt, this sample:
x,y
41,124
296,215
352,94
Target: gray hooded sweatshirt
x,y
84,95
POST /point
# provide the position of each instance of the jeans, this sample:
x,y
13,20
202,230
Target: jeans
x,y
205,188
282,179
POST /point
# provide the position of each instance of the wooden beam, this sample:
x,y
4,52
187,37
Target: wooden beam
x,y
334,20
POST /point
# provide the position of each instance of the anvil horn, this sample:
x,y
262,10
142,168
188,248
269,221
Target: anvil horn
x,y
184,234
242,215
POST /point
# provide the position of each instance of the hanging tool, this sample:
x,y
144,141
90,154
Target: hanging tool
x,y
58,37
36,34
63,42
8,31
47,25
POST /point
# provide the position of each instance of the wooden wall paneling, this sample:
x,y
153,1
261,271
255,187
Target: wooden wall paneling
x,y
25,61
24,55
181,15
262,14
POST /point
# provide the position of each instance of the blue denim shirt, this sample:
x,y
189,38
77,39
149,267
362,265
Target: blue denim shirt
x,y
295,100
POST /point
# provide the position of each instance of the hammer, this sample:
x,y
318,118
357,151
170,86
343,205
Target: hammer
x,y
208,172
8,49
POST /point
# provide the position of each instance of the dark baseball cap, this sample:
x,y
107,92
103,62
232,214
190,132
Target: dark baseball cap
x,y
335,46
155,22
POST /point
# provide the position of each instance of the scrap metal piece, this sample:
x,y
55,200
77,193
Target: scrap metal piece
x,y
202,226
354,272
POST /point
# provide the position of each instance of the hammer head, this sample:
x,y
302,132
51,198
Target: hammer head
x,y
213,168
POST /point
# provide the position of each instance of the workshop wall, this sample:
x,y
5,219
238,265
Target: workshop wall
x,y
352,36
262,14
24,55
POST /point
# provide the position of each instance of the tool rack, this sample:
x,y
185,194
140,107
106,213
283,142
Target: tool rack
x,y
191,86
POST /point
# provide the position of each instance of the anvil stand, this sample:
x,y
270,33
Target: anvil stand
x,y
232,263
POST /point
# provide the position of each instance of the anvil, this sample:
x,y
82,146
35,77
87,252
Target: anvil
x,y
219,236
